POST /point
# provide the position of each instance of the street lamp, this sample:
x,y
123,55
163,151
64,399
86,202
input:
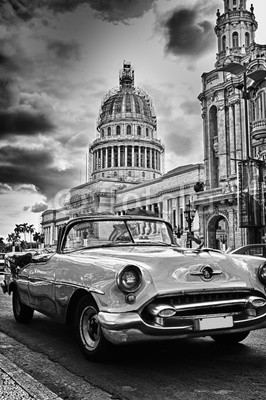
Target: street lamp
x,y
189,216
178,232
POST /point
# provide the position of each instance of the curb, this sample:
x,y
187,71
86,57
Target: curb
x,y
17,384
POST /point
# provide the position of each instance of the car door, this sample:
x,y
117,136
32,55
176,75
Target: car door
x,y
41,280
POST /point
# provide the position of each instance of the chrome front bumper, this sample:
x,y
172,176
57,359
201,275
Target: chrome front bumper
x,y
123,328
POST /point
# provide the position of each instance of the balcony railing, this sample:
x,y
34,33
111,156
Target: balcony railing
x,y
259,129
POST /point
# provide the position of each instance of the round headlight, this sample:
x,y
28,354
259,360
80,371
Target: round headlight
x,y
129,279
262,273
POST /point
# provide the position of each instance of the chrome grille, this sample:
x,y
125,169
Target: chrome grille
x,y
190,298
192,305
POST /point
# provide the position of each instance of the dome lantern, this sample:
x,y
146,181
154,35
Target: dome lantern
x,y
126,76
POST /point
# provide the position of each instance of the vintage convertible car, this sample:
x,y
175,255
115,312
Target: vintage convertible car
x,y
123,279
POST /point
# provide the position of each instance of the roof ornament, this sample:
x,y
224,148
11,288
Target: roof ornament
x,y
126,76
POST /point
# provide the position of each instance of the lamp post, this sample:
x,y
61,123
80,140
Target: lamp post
x,y
178,232
189,216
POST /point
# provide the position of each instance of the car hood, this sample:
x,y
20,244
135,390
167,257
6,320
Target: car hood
x,y
173,269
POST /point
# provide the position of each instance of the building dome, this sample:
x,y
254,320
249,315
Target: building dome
x,y
127,102
127,147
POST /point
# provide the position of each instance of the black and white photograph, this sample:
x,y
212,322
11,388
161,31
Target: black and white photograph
x,y
132,199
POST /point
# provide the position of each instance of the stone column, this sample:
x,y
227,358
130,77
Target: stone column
x,y
238,130
207,145
232,140
125,156
222,151
112,157
145,157
119,163
97,160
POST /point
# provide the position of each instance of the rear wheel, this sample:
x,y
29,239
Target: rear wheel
x,y
22,313
88,330
230,338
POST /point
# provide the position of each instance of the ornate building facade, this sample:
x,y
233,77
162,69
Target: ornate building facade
x,y
126,166
233,101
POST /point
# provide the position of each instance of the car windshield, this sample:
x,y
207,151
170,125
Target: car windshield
x,y
97,233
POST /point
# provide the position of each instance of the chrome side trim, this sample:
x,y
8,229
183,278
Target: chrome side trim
x,y
88,289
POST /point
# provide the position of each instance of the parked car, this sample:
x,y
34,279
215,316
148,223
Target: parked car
x,y
258,250
2,262
123,279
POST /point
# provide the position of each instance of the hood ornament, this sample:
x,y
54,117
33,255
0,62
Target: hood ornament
x,y
206,272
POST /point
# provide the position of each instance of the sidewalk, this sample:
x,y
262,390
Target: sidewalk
x,y
15,384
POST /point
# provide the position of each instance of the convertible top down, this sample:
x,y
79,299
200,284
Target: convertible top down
x,y
123,279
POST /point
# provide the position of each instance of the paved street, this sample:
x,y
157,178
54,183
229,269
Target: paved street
x,y
190,369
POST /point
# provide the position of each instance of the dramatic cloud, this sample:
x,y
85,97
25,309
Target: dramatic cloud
x,y
35,167
189,30
120,10
26,10
23,123
5,188
186,35
111,10
64,51
39,207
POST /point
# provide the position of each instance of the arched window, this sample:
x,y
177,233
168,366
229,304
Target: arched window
x,y
235,39
102,133
223,43
128,130
118,129
247,39
260,105
139,131
147,132
109,131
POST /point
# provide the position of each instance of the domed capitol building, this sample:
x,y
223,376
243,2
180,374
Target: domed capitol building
x,y
226,194
126,165
127,148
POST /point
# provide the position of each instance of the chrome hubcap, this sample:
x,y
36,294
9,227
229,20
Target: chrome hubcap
x,y
90,330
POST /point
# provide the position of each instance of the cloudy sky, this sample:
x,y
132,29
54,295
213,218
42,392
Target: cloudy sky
x,y
58,58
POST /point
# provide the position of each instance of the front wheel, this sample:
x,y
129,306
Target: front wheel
x,y
22,313
88,330
230,338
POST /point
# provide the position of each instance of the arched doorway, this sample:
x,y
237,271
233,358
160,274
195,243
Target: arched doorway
x,y
218,232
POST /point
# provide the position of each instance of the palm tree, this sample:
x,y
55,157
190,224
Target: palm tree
x,y
25,229
2,244
12,238
31,229
18,229
38,238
